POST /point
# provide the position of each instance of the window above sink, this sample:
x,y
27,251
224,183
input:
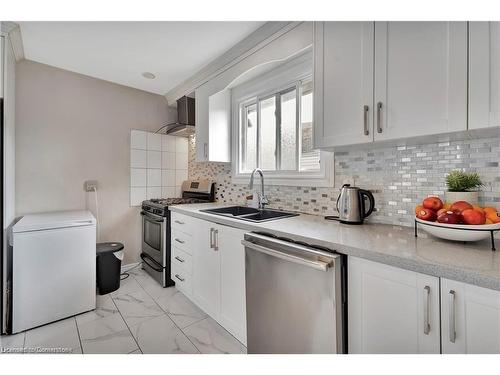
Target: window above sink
x,y
272,124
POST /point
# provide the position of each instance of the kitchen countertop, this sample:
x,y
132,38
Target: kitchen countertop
x,y
472,263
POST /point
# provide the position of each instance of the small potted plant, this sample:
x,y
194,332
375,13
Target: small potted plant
x,y
463,186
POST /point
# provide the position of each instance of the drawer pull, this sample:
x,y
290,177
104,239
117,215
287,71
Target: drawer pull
x,y
180,259
451,316
179,278
177,240
179,222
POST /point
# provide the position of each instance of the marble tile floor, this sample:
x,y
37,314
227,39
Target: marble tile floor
x,y
140,317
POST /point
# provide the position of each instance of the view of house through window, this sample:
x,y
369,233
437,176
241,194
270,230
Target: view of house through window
x,y
276,131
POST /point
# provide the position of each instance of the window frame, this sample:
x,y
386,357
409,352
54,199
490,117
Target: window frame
x,y
283,79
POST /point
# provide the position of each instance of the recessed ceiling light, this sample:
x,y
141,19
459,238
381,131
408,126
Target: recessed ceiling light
x,y
148,75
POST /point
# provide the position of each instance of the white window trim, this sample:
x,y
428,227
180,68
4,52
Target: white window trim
x,y
278,79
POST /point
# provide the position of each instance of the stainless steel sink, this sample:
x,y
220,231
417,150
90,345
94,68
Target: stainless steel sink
x,y
249,214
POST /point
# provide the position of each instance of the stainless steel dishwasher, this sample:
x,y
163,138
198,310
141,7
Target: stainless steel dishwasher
x,y
296,297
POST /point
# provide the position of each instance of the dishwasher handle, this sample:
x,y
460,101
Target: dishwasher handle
x,y
316,264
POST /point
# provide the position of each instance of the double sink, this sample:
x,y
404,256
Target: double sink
x,y
249,213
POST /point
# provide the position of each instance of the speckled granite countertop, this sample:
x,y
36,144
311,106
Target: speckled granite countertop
x,y
472,263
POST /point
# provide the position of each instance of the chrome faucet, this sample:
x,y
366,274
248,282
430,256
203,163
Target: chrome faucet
x,y
262,198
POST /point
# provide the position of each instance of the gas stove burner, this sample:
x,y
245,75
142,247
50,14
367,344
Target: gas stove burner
x,y
172,201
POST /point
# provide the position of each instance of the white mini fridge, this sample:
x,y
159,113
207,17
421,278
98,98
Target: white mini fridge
x,y
53,267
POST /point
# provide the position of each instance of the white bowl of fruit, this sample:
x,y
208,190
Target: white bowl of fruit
x,y
458,221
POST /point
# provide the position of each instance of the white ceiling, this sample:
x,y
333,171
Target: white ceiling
x,y
121,51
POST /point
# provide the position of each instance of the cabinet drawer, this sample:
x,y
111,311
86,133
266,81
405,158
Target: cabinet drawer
x,y
182,223
182,279
182,241
182,260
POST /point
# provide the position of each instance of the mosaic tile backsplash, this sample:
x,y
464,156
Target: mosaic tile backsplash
x,y
399,178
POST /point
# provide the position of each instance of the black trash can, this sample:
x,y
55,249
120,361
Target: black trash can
x,y
108,266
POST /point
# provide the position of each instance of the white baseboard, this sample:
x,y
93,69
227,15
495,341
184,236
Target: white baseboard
x,y
128,267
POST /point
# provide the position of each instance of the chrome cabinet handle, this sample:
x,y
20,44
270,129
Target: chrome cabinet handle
x,y
427,324
379,111
451,316
179,278
216,239
180,241
211,238
179,259
366,109
205,149
178,222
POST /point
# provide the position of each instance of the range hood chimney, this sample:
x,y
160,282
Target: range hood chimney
x,y
184,126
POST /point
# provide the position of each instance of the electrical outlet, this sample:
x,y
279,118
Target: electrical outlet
x,y
90,185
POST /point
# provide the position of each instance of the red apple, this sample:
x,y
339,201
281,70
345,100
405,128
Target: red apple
x,y
473,217
450,217
426,214
460,206
433,203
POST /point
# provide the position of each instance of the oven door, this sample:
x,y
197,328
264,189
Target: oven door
x,y
154,237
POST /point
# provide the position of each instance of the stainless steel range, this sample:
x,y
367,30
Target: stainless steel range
x,y
156,227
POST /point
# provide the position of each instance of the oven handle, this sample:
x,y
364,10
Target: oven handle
x,y
153,266
151,217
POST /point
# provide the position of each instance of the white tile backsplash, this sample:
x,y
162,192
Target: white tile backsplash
x,y
181,160
180,176
137,195
154,159
153,192
158,165
168,160
154,177
138,139
168,191
181,145
154,141
168,143
137,177
138,158
168,177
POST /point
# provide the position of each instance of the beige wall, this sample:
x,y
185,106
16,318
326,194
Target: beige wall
x,y
71,128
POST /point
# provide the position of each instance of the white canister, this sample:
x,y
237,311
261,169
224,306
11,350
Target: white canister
x,y
469,196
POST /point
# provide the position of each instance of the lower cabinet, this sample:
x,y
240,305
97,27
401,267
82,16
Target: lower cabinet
x,y
218,274
391,310
470,317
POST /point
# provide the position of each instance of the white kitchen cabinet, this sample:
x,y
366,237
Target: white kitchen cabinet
x,y
232,281
213,125
391,310
484,74
209,259
420,78
470,317
388,80
206,268
343,83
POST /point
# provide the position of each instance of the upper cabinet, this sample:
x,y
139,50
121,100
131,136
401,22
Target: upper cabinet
x,y
213,125
389,80
343,83
420,78
484,74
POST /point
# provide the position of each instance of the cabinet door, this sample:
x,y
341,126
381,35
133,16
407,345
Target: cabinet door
x,y
420,78
206,268
343,83
470,318
232,282
213,124
201,121
391,310
484,74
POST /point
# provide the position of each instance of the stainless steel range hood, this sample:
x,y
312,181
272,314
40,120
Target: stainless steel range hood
x,y
184,126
